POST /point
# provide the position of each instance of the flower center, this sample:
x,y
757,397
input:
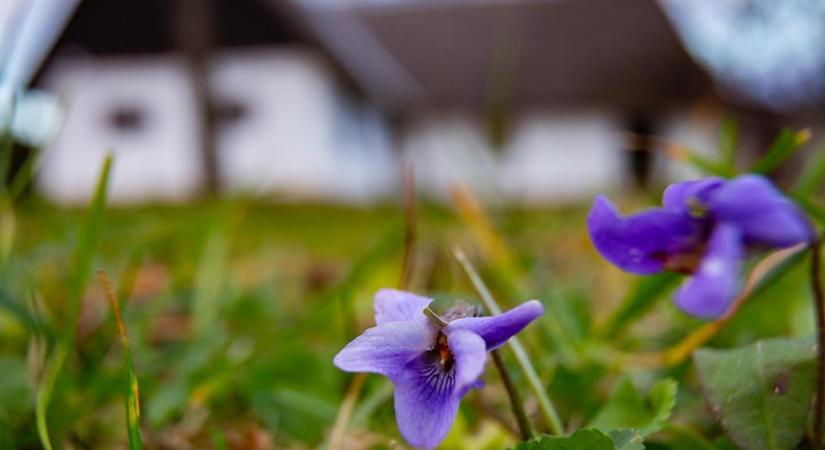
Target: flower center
x,y
684,263
695,208
443,352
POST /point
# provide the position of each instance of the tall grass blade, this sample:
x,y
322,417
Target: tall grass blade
x,y
785,145
551,416
813,174
82,267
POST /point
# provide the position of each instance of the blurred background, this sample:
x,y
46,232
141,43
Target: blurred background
x,y
529,101
260,150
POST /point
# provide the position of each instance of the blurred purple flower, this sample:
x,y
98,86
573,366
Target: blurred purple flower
x,y
704,229
431,366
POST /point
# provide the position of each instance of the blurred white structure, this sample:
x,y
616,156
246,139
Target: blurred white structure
x,y
445,149
292,132
142,110
695,132
766,52
550,157
28,30
563,156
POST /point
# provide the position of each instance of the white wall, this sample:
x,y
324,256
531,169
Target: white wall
x,y
159,159
299,136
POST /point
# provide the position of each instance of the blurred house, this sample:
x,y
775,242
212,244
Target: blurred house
x,y
279,119
291,130
140,108
529,101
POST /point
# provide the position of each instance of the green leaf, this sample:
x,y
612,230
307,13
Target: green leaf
x,y
785,145
587,439
684,438
662,398
627,440
626,408
761,392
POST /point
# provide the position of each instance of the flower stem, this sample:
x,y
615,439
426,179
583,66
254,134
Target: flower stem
x,y
819,304
524,425
545,405
410,227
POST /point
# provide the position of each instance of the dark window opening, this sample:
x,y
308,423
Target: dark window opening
x,y
127,119
228,113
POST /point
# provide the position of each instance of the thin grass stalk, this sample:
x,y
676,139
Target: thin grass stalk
x,y
132,392
548,410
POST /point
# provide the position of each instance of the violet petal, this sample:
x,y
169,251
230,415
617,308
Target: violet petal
x,y
678,196
387,348
470,353
709,293
761,212
393,305
640,243
495,330
426,403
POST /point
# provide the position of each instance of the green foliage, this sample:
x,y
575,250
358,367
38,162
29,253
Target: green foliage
x,y
626,408
813,174
724,165
785,145
587,439
235,310
728,142
640,300
761,392
82,268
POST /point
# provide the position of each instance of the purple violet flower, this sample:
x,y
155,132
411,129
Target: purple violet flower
x,y
705,229
432,366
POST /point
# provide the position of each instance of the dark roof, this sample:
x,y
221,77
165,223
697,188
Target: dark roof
x,y
147,26
467,53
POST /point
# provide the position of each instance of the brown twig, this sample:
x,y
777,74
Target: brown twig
x,y
523,422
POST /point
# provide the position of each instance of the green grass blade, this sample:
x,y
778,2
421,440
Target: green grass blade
x,y
44,394
785,145
132,391
24,174
87,246
709,167
82,265
813,175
